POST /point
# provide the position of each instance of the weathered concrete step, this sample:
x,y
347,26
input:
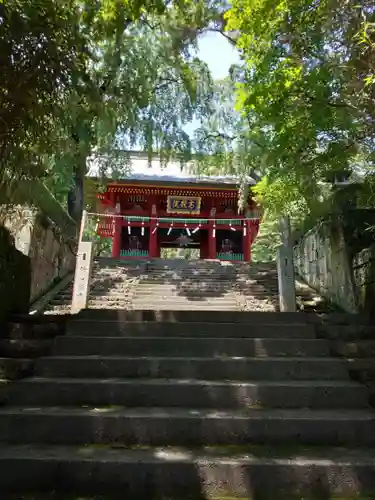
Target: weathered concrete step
x,y
185,474
156,298
24,348
355,349
187,306
168,426
175,294
160,299
99,293
189,346
4,390
15,368
347,333
198,285
189,368
361,369
249,317
188,393
339,318
34,327
205,329
201,282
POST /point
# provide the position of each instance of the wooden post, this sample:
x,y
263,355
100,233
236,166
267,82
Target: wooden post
x,y
116,241
285,269
153,251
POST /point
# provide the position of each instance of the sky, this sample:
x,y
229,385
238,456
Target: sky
x,y
219,54
215,50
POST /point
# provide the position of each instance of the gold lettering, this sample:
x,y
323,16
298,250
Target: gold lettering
x,y
192,204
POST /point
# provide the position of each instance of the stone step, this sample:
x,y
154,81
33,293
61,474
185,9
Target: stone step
x,y
24,348
100,293
189,368
5,385
182,298
175,427
187,291
189,346
184,474
226,304
210,276
361,369
249,317
39,327
339,318
115,305
205,329
15,368
347,334
354,349
203,283
188,393
187,306
175,294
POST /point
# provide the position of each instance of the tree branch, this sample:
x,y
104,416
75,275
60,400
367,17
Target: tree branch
x,y
219,135
329,103
216,30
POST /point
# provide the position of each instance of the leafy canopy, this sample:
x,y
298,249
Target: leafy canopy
x,y
305,97
87,76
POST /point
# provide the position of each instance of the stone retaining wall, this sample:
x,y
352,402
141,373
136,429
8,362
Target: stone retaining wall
x,y
337,259
37,246
50,251
15,277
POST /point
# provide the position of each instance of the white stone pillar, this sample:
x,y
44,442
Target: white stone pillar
x,y
82,276
285,269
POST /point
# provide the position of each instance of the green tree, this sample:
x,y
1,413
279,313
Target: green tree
x,y
304,111
41,57
307,91
93,75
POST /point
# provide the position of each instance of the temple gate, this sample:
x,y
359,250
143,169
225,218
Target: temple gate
x,y
143,217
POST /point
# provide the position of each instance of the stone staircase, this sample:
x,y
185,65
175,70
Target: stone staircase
x,y
190,405
206,285
177,284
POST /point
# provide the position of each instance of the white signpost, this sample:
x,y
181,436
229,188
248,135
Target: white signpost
x,y
285,269
82,274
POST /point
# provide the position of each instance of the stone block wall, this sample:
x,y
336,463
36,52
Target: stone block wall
x,y
15,277
364,278
337,259
51,252
321,260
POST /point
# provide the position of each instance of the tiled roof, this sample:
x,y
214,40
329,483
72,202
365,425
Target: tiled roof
x,y
137,167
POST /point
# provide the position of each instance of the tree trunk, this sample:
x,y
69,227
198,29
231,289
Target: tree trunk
x,y
75,197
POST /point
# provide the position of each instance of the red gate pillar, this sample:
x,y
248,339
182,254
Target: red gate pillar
x,y
203,252
116,241
246,241
212,240
153,250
